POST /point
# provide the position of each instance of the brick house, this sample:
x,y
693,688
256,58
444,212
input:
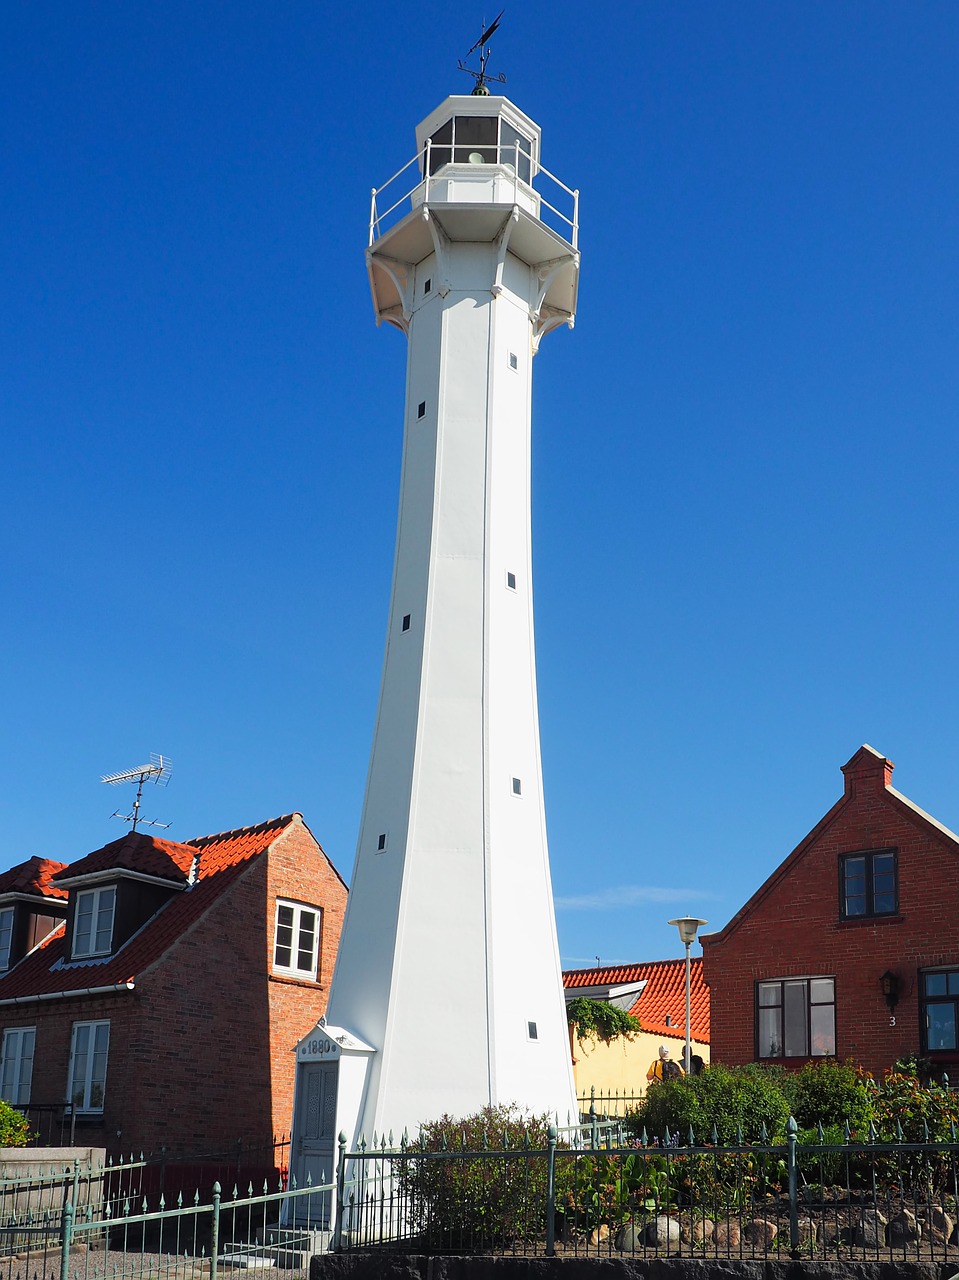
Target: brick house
x,y
161,987
655,993
851,947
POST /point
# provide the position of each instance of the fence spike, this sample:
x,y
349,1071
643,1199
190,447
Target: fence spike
x,y
526,1139
872,1130
820,1132
485,1138
739,1135
846,1133
196,1194
179,1201
236,1192
391,1139
162,1201
692,1140
899,1130
644,1137
443,1145
925,1130
714,1136
763,1135
249,1190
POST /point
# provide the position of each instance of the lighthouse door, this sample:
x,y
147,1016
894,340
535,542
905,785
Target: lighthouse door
x,y
314,1158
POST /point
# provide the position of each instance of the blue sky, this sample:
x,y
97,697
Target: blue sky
x,y
745,454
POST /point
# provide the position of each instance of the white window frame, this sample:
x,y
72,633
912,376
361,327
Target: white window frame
x,y
300,910
87,1077
7,915
16,1065
102,918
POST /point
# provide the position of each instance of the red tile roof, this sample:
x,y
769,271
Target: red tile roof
x,y
33,877
222,859
664,994
135,851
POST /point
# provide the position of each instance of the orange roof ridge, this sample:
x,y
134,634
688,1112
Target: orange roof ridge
x,y
269,825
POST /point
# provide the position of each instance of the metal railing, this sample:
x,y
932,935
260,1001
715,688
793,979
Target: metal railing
x,y
793,1199
189,1237
424,181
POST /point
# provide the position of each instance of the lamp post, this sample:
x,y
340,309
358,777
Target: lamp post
x,y
687,926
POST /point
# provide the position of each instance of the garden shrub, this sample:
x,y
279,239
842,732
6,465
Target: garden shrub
x,y
724,1098
14,1129
832,1093
906,1110
476,1201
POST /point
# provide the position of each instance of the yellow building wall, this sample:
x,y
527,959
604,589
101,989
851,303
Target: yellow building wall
x,y
620,1067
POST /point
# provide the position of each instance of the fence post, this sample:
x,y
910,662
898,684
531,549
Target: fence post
x,y
215,1230
551,1192
791,1128
340,1185
593,1123
66,1229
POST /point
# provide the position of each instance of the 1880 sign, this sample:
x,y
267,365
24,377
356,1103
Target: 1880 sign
x,y
319,1047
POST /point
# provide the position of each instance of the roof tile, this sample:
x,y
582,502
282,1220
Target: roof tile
x,y
222,858
663,996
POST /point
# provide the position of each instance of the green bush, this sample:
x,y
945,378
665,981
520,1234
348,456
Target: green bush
x,y
725,1098
832,1093
599,1020
14,1129
476,1201
904,1109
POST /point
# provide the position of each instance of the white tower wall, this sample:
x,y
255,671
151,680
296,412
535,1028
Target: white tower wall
x,y
449,950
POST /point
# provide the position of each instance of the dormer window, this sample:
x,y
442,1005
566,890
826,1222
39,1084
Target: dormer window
x,y
480,140
6,937
93,922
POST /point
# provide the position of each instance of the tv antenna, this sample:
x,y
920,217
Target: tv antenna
x,y
481,78
158,771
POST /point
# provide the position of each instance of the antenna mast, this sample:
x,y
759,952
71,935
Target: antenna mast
x,y
481,78
157,771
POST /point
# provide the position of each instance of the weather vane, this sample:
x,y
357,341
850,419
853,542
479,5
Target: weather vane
x,y
157,771
481,78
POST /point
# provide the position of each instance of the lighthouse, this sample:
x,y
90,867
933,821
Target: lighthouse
x,y
447,993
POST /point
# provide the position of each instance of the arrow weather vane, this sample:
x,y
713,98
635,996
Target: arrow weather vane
x,y
481,78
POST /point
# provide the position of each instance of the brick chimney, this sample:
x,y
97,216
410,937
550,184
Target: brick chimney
x,y
867,770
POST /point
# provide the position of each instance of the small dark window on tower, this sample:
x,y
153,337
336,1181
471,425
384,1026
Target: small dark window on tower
x,y
427,285
517,787
381,842
532,1030
406,622
511,581
513,360
421,409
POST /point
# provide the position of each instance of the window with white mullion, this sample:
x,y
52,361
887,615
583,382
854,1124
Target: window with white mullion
x,y
6,937
296,941
93,922
16,1065
88,1065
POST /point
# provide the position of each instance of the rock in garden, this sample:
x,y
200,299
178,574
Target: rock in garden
x,y
694,1230
632,1237
727,1234
866,1229
662,1230
937,1225
599,1235
808,1231
903,1230
759,1231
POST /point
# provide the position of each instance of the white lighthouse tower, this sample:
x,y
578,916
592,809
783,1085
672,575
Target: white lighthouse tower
x,y
447,993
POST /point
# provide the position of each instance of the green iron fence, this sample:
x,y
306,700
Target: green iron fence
x,y
672,1197
107,1234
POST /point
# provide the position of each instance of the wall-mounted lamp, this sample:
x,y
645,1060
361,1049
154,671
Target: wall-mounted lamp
x,y
889,982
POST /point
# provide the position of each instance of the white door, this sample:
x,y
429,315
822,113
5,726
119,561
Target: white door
x,y
315,1157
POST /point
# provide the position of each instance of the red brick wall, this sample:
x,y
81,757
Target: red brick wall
x,y
201,1052
299,871
792,928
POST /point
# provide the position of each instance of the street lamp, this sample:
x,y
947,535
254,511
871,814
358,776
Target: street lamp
x,y
687,926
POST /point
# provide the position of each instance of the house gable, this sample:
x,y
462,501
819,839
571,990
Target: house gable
x,y
871,891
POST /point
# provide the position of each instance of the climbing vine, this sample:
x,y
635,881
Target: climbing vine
x,y
598,1020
